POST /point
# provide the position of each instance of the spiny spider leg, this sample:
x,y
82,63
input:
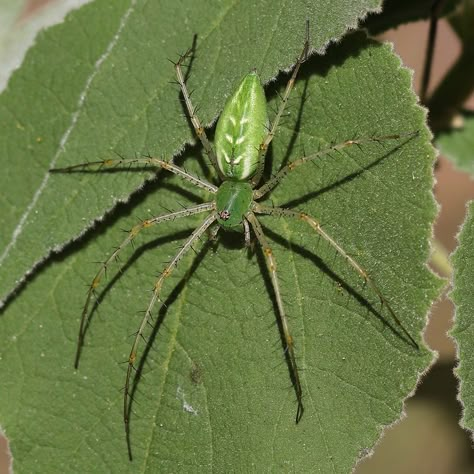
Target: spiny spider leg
x,y
130,237
272,182
213,233
147,161
272,268
280,212
198,128
197,233
247,233
271,133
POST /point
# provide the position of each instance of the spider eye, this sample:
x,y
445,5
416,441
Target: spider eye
x,y
224,215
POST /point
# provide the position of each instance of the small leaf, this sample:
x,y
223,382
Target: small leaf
x,y
462,296
458,144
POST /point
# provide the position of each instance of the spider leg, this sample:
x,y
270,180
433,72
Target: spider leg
x,y
280,212
271,183
213,233
113,256
198,128
272,268
197,233
284,100
247,234
147,161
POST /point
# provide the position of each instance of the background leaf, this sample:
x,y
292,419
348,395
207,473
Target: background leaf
x,y
463,264
458,144
99,84
216,391
20,21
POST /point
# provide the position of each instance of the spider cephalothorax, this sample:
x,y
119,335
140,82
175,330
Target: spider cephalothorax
x,y
233,201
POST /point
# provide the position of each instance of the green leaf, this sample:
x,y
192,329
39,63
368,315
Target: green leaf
x,y
100,84
216,393
463,275
458,144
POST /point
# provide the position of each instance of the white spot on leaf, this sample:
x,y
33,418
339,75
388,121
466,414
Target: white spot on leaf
x,y
186,406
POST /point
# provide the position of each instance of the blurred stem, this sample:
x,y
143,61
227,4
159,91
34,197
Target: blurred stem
x,y
458,84
434,17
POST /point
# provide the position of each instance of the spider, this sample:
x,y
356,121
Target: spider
x,y
242,137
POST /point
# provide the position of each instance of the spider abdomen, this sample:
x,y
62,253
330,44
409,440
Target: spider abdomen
x,y
241,130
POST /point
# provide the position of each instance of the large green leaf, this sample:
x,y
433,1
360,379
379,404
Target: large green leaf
x,y
100,83
216,392
462,296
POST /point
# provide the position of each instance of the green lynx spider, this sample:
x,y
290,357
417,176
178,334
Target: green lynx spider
x,y
242,137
